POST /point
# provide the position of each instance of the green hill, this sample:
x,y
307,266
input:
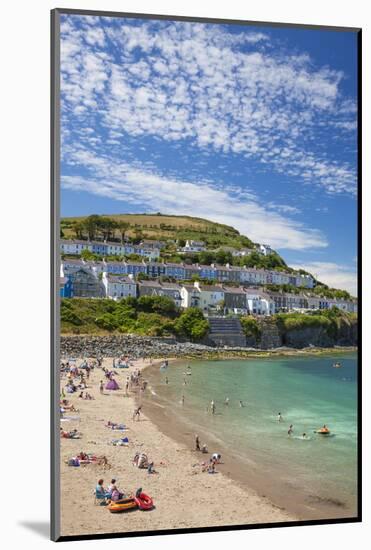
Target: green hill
x,y
173,231
158,227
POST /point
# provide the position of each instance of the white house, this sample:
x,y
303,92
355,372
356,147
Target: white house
x,y
194,246
119,287
242,253
259,303
265,249
211,296
190,296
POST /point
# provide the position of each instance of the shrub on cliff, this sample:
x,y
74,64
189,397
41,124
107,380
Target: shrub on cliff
x,y
192,324
251,327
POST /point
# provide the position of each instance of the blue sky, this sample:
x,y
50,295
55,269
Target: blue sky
x,y
250,126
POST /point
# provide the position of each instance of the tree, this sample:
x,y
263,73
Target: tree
x,y
78,228
91,225
192,324
123,227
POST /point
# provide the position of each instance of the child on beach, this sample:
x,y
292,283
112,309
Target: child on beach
x,y
136,414
101,386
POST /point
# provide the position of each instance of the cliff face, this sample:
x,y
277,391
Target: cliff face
x,y
344,334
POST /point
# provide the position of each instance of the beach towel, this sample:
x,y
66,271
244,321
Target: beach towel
x,y
120,442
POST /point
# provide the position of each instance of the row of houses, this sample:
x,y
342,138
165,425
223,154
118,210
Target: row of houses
x,y
218,273
87,283
145,249
200,246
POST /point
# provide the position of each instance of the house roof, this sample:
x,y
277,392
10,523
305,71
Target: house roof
x,y
234,290
211,288
121,280
73,262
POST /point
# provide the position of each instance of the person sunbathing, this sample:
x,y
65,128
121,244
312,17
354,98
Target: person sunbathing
x,y
142,461
82,456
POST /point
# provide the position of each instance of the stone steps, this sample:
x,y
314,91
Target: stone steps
x,y
226,332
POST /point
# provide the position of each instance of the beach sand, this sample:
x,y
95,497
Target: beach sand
x,y
184,497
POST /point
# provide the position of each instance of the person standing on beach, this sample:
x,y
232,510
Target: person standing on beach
x,y
101,386
212,407
241,403
136,414
198,448
226,402
290,430
183,399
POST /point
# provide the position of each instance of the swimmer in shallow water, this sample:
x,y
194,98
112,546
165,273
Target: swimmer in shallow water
x,y
290,430
279,417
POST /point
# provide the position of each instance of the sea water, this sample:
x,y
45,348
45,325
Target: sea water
x,y
319,472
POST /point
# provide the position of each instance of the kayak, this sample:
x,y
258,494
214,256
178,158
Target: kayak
x,y
143,501
122,505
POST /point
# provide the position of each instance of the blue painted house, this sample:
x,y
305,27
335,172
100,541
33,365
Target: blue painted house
x,y
99,248
134,268
66,287
207,272
175,270
155,269
116,268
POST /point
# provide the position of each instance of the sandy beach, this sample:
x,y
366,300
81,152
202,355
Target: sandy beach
x,y
183,495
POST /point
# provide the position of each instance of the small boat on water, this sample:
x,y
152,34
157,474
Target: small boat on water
x,y
323,431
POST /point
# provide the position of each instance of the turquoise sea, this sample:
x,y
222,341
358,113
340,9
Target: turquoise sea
x,y
315,477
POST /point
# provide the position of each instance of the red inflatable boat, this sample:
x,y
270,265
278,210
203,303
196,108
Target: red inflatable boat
x,y
143,501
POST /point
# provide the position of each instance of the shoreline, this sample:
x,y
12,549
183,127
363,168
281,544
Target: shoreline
x,y
139,347
183,496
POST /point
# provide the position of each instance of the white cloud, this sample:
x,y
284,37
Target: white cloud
x,y
233,206
181,81
332,274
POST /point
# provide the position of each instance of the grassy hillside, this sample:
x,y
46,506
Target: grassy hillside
x,y
162,227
